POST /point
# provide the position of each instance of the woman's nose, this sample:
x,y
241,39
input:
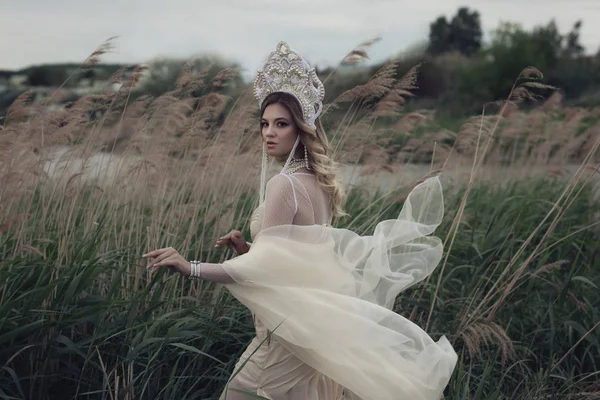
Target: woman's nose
x,y
269,131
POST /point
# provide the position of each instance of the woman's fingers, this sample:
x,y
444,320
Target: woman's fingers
x,y
232,234
232,239
166,254
237,240
167,257
156,253
223,240
171,260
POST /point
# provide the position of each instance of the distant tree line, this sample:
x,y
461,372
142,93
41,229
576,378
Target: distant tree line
x,y
460,73
493,67
69,74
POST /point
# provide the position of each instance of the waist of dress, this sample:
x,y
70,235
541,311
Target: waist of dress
x,y
262,333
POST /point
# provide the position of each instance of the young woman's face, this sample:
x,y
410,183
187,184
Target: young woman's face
x,y
278,131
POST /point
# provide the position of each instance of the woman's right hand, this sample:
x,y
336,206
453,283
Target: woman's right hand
x,y
234,240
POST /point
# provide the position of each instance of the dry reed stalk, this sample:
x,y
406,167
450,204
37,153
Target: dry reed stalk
x,y
573,347
394,94
486,333
391,104
568,201
92,59
514,96
21,107
378,86
356,56
505,290
189,80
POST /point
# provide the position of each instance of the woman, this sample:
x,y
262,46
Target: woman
x,y
322,297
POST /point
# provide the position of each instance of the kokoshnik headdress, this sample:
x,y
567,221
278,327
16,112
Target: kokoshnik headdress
x,y
286,71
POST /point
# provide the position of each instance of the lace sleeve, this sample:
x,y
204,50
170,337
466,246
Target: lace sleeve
x,y
281,204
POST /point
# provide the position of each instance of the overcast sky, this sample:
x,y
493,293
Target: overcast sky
x,y
43,31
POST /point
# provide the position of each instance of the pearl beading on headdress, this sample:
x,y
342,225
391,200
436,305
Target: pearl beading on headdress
x,y
286,71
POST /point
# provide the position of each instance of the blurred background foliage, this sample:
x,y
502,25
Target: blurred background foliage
x,y
459,73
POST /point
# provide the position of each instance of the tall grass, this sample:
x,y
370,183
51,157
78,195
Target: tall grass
x,y
80,317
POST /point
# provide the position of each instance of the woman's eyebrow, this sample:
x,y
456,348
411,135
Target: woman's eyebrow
x,y
276,119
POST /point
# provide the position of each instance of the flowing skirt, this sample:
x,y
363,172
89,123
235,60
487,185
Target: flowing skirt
x,y
326,294
270,370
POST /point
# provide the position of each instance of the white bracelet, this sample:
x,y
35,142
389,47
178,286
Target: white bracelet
x,y
195,273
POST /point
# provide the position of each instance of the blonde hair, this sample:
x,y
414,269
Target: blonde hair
x,y
317,145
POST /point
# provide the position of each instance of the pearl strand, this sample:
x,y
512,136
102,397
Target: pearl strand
x,y
196,272
296,164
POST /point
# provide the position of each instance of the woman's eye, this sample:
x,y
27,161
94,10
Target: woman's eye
x,y
281,124
263,124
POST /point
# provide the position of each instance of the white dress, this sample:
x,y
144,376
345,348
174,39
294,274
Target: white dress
x,y
270,369
326,294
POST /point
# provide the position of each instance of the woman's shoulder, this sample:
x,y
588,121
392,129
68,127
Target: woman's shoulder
x,y
287,180
280,184
279,179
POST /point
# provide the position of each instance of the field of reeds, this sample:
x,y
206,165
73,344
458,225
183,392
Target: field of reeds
x,y
86,190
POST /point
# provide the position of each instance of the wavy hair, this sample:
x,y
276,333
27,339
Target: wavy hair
x,y
317,145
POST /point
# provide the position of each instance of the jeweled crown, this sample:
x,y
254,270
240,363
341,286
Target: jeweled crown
x,y
286,71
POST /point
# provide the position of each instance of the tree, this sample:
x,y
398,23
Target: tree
x,y
439,36
511,50
462,34
44,76
466,31
573,47
547,43
89,74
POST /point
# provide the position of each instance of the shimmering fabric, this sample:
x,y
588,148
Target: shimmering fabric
x,y
326,295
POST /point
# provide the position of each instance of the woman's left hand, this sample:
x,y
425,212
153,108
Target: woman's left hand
x,y
168,257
